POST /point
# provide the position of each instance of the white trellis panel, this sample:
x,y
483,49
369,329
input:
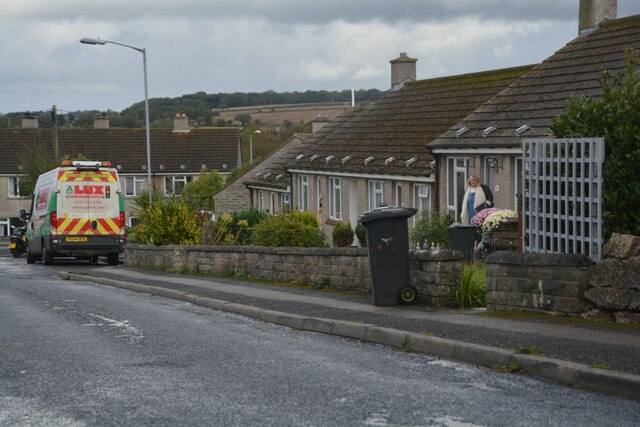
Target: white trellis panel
x,y
563,196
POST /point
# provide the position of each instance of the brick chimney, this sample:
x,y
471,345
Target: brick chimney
x,y
29,122
101,122
403,69
593,12
181,123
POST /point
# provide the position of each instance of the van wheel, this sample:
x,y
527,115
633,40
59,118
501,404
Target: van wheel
x,y
113,258
47,256
30,258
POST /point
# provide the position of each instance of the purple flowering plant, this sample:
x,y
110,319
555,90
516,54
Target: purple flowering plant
x,y
478,219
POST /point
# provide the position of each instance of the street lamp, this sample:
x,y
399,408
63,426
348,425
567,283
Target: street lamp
x,y
146,101
256,132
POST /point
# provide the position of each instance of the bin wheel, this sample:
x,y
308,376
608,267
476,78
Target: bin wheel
x,y
408,295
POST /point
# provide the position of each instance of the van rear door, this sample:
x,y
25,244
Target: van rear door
x,y
88,204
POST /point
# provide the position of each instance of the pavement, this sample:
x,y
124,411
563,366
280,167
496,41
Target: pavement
x,y
595,356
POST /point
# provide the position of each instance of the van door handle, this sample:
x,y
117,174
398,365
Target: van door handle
x,y
94,224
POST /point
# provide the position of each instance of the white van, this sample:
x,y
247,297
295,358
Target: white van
x,y
77,211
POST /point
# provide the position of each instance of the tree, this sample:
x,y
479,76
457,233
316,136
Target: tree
x,y
244,118
614,116
36,160
198,194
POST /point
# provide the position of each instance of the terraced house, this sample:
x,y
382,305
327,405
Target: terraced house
x,y
177,157
374,155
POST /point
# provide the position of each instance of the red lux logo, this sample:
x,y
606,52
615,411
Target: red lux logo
x,y
88,189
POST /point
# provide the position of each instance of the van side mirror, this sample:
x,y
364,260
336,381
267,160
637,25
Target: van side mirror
x,y
24,215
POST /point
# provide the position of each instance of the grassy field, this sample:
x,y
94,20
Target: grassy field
x,y
274,115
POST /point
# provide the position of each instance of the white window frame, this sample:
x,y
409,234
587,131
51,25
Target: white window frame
x,y
376,194
303,192
261,200
133,185
422,197
457,167
285,201
14,186
398,194
335,198
172,180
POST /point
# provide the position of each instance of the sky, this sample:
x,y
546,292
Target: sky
x,y
257,45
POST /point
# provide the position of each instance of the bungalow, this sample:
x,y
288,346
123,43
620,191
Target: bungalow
x,y
488,142
177,157
375,154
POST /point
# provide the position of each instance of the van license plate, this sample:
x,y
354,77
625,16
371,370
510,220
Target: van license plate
x,y
75,239
12,245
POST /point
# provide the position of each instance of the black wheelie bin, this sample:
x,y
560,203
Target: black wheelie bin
x,y
388,243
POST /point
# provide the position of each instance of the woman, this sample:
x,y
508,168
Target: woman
x,y
477,197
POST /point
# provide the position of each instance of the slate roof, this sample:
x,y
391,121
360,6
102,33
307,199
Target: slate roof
x,y
271,172
213,147
542,94
400,125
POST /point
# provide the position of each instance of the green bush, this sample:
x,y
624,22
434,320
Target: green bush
x,y
292,229
431,229
361,234
236,228
342,234
168,222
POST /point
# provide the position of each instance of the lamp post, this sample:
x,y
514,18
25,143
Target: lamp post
x,y
146,101
256,132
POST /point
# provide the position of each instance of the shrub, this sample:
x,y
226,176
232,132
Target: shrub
x,y
290,229
236,228
169,222
361,234
342,234
431,229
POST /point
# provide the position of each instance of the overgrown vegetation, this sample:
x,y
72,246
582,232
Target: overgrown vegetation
x,y
473,286
198,194
615,116
431,230
168,222
237,228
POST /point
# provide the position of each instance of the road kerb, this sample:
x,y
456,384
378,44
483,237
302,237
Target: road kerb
x,y
557,371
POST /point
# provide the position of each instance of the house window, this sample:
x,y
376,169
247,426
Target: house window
x,y
133,221
376,194
421,197
134,185
335,198
398,194
303,196
285,201
260,200
14,186
457,174
175,184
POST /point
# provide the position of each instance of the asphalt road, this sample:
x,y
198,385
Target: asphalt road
x,y
76,353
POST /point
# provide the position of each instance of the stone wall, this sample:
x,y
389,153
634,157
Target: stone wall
x,y
436,274
537,282
615,281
